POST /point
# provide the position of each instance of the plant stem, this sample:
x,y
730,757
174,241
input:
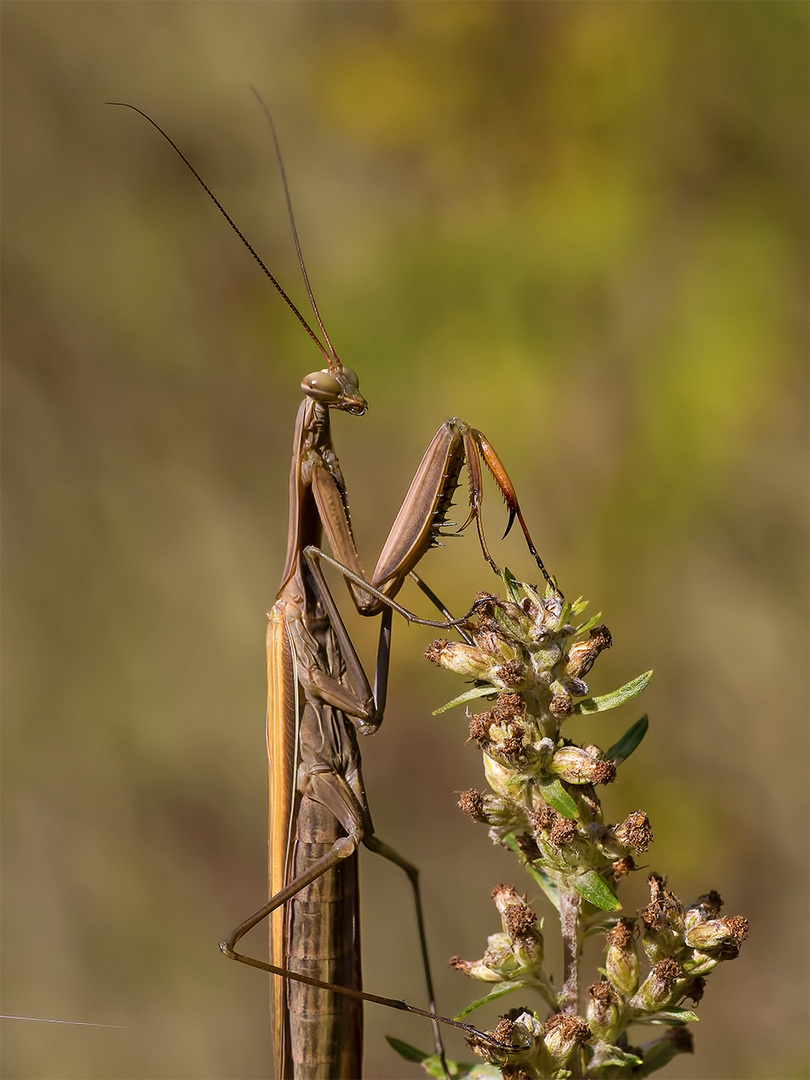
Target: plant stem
x,y
569,927
569,999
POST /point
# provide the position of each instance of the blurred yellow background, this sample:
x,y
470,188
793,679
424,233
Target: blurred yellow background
x,y
582,227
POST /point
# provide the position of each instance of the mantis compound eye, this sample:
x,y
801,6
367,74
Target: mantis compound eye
x,y
321,386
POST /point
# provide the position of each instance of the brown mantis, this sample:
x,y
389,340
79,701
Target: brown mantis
x,y
319,698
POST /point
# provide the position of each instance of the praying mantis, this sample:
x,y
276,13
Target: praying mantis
x,y
320,700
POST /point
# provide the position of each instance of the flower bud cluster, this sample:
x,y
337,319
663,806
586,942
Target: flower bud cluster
x,y
522,648
533,1048
676,943
517,952
527,656
697,937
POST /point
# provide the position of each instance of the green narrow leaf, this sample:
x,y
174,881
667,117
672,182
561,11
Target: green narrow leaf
x,y
624,747
617,697
405,1050
557,797
590,623
500,990
673,1014
509,627
511,584
476,692
591,888
576,607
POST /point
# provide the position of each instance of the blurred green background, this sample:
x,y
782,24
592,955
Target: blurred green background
x,y
583,228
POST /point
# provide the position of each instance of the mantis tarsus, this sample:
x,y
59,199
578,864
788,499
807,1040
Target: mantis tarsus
x,y
319,698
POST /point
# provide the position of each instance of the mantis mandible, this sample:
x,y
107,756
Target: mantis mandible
x,y
319,699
